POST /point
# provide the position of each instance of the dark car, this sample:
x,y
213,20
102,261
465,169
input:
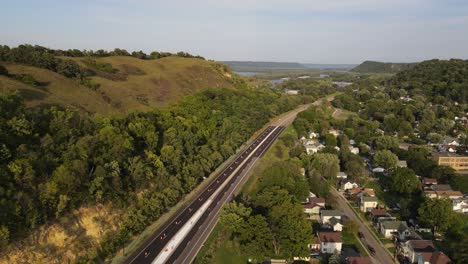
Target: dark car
x,y
361,235
371,249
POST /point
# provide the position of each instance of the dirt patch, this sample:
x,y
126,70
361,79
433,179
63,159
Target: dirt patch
x,y
69,238
163,90
30,94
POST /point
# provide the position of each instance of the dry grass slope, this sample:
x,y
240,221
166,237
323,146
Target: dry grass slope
x,y
139,85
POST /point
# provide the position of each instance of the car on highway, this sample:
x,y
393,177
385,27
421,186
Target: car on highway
x,y
371,249
361,235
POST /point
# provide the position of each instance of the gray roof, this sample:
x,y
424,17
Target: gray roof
x,y
334,221
369,199
397,225
330,213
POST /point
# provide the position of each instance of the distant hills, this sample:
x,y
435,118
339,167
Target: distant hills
x,y
260,66
381,67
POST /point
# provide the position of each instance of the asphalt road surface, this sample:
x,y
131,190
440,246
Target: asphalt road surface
x,y
381,255
189,247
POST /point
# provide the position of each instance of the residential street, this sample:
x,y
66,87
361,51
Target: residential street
x,y
381,254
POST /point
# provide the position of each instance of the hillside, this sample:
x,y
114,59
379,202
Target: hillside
x,y
132,84
436,79
381,67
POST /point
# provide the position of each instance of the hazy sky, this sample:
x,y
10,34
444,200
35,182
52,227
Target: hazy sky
x,y
314,31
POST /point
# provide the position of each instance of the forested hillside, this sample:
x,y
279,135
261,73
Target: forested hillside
x,y
106,82
381,67
54,161
436,79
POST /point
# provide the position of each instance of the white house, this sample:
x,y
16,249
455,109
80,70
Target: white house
x,y
348,185
378,170
334,132
399,228
402,164
314,148
326,215
368,203
313,207
414,249
313,135
460,205
330,242
292,92
341,175
354,150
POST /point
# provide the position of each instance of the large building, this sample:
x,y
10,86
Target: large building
x,y
457,162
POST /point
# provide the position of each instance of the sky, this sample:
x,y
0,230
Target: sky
x,y
308,31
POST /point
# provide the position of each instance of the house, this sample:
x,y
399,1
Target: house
x,y
354,191
342,175
314,148
449,195
292,92
367,192
388,228
403,231
313,135
334,132
428,182
460,205
358,260
378,170
383,219
430,194
377,213
352,142
414,249
326,215
402,164
457,162
368,203
440,258
330,242
348,185
441,187
313,207
335,224
354,150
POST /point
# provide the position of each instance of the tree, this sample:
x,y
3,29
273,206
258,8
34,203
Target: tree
x,y
356,169
330,140
386,142
404,181
233,215
326,165
335,258
256,237
437,213
386,159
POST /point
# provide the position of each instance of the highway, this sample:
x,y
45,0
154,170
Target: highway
x,y
174,242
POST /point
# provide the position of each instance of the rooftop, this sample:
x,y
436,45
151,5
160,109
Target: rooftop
x,y
422,245
440,258
330,237
378,212
330,213
446,154
369,199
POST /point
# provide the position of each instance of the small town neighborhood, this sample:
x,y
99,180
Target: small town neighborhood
x,y
404,239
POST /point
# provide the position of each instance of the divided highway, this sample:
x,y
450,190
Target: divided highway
x,y
179,240
157,244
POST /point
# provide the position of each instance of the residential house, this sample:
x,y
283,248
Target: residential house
x,y
330,242
348,185
314,148
428,182
326,215
292,92
440,258
441,191
389,228
341,175
402,164
313,135
334,132
377,213
354,150
383,219
403,231
378,170
313,207
358,260
449,195
441,187
414,249
460,205
367,203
